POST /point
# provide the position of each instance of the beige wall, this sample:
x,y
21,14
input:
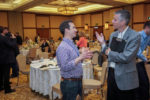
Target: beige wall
x,y
138,27
96,19
78,20
138,13
30,22
106,18
87,19
56,20
3,19
15,22
31,33
55,33
147,10
42,21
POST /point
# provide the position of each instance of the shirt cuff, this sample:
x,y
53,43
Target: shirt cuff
x,y
103,46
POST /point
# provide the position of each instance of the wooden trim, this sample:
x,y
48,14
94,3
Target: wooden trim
x,y
53,28
29,27
138,22
42,28
22,26
8,20
132,17
49,27
35,20
45,15
102,22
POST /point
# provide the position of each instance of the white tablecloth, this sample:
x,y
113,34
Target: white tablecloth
x,y
42,80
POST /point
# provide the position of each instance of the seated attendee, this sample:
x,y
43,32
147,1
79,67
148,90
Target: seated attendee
x,y
37,38
51,40
82,41
45,44
26,39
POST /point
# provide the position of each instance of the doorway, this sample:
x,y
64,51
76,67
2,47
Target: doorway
x,y
43,33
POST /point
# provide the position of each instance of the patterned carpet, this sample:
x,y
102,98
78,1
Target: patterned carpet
x,y
23,92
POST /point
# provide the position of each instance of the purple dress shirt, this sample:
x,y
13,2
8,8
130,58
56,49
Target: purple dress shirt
x,y
66,54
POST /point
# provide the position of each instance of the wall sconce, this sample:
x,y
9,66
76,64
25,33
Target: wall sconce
x,y
86,27
106,26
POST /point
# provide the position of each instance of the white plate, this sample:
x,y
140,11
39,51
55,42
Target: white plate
x,y
33,62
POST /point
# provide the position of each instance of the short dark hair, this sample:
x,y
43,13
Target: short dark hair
x,y
64,25
147,23
124,14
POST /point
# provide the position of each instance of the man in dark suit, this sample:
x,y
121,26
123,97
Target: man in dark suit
x,y
5,45
13,52
45,44
19,38
123,47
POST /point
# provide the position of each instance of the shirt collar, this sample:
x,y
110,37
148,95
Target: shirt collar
x,y
124,31
68,40
144,34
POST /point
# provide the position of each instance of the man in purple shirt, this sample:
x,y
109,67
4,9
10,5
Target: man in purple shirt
x,y
69,60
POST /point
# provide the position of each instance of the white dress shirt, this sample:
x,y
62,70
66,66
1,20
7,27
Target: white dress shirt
x,y
120,35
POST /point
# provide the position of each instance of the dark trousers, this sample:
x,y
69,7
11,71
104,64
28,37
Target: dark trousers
x,y
114,93
70,89
143,90
4,76
15,69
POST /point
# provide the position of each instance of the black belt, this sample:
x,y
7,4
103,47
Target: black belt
x,y
72,79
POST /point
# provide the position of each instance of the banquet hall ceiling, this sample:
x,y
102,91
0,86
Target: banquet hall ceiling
x,y
51,6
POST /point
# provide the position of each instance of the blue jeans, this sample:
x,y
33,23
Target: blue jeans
x,y
70,89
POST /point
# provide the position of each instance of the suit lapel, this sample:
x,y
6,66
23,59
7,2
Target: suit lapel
x,y
126,35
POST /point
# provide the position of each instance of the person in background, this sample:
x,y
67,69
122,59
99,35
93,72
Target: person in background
x,y
143,90
26,39
19,38
12,58
76,39
6,44
60,38
82,41
123,46
70,62
37,38
51,40
45,44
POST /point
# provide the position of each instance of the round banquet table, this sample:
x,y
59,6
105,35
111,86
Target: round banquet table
x,y
42,79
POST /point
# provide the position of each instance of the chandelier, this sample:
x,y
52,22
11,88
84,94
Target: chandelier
x,y
66,10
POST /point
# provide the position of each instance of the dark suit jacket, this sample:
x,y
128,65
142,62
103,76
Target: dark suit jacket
x,y
45,45
19,40
5,45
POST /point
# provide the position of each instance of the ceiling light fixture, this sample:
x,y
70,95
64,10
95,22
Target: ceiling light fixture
x,y
67,10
